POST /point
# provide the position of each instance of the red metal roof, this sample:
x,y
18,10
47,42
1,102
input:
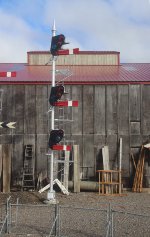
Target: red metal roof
x,y
123,74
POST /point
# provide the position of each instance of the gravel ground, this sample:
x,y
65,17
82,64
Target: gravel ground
x,y
84,199
90,220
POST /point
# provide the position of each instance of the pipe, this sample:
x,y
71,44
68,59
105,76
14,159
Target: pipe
x,y
85,185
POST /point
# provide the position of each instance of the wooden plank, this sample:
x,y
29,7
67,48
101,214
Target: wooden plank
x,y
99,110
18,108
135,140
145,125
29,110
135,102
6,154
41,109
78,140
123,110
77,111
111,110
76,59
112,143
8,112
76,173
125,164
132,169
142,170
17,159
105,154
66,169
88,118
99,142
135,128
88,155
41,158
146,180
138,178
106,165
6,138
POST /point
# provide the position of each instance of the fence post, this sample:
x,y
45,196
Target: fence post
x,y
112,224
57,220
7,215
16,219
109,232
109,219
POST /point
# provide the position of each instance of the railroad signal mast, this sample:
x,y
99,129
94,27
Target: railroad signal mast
x,y
51,192
56,135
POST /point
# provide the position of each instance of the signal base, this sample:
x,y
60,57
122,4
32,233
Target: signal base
x,y
51,197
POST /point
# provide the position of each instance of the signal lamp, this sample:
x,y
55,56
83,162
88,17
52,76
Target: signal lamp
x,y
56,136
57,42
56,93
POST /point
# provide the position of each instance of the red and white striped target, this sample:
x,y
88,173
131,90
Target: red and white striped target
x,y
68,51
72,103
61,147
8,74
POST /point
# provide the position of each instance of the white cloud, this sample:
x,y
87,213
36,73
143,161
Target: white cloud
x,y
16,38
119,25
90,25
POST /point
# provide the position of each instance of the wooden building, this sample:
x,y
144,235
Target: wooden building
x,y
113,100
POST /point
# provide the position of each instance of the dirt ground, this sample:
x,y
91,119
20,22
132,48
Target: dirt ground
x,y
78,199
77,218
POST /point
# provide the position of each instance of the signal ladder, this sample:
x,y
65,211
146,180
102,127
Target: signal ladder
x,y
64,120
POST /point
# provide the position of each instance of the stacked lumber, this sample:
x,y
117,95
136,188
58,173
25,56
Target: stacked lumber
x,y
138,178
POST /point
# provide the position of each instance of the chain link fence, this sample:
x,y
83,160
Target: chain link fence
x,y
79,221
105,220
130,220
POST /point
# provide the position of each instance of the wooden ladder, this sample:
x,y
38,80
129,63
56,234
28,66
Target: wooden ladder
x,y
28,181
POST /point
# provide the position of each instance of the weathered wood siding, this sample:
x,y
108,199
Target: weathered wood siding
x,y
105,113
77,59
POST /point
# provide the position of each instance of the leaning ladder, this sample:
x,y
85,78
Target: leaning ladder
x,y
28,169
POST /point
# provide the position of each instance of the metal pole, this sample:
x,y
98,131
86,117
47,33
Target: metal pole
x,y
16,222
7,214
112,223
51,193
120,155
120,164
57,220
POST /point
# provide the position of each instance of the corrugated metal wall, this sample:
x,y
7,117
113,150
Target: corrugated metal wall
x,y
105,113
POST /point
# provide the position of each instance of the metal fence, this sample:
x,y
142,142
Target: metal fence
x,y
129,220
79,221
105,220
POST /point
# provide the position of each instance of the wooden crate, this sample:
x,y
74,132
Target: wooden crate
x,y
109,182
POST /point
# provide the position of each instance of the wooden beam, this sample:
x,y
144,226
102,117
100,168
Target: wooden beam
x,y
66,169
76,171
105,153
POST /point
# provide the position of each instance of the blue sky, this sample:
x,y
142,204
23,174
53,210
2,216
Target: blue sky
x,y
116,25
